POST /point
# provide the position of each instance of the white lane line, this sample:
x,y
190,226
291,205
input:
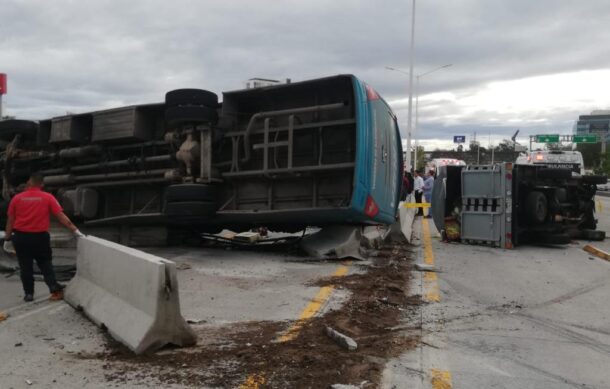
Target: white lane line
x,y
28,304
33,312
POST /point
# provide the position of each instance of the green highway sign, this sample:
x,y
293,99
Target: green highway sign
x,y
585,139
552,138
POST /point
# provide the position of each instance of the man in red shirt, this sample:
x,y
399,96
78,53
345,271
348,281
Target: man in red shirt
x,y
28,228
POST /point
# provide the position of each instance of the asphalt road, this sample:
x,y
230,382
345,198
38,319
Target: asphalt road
x,y
44,342
11,292
533,317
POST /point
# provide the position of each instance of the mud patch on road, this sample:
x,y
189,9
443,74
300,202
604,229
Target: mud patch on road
x,y
373,316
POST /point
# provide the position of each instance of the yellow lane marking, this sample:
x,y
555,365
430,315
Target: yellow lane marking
x,y
432,292
441,379
417,205
254,381
597,252
600,207
313,307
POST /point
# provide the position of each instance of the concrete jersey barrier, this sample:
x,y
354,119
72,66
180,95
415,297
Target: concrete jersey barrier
x,y
131,293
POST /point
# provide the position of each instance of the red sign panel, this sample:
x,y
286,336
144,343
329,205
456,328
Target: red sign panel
x,y
2,84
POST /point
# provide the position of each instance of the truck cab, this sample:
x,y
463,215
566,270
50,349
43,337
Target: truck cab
x,y
564,159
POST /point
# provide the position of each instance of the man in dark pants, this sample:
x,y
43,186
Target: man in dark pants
x,y
27,227
418,189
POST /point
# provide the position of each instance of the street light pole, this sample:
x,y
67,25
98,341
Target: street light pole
x,y
411,61
417,104
416,121
413,130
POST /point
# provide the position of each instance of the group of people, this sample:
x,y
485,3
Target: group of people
x,y
421,185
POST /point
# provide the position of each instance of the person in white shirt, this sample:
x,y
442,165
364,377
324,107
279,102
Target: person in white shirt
x,y
418,189
428,186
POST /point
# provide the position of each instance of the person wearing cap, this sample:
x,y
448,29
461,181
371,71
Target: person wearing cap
x,y
27,227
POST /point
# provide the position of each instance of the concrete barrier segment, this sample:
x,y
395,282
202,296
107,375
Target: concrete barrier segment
x,y
131,293
403,228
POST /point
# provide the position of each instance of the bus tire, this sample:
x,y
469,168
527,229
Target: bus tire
x,y
536,207
555,173
595,180
190,115
190,208
26,128
191,192
181,97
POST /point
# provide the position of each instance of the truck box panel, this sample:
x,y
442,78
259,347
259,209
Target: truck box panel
x,y
70,129
123,124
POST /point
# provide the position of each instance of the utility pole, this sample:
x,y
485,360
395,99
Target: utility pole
x,y
478,147
411,61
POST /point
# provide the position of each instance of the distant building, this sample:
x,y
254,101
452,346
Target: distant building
x,y
598,122
262,82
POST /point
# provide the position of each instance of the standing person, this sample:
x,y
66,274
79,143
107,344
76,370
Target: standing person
x,y
27,227
418,187
428,186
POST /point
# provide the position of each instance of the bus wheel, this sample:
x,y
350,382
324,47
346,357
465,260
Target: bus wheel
x,y
185,97
191,208
191,192
26,128
190,115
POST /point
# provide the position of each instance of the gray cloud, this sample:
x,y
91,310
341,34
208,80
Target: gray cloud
x,y
70,55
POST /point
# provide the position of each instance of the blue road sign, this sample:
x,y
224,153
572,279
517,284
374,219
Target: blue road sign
x,y
459,139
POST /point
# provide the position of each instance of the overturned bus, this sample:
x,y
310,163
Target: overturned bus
x,y
317,152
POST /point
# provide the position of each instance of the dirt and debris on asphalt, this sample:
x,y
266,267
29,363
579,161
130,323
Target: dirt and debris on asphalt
x,y
225,356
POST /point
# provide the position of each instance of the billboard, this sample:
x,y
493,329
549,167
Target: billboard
x,y
2,84
459,139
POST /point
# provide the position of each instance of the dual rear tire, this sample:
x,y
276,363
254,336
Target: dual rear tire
x,y
198,200
190,107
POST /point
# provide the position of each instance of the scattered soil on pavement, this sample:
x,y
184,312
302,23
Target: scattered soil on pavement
x,y
374,316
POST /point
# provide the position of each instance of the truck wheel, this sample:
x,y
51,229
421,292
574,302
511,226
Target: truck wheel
x,y
191,208
594,180
180,97
191,192
536,207
592,235
190,114
561,194
588,222
553,239
10,128
555,173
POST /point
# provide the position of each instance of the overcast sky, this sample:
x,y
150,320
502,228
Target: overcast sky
x,y
518,64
